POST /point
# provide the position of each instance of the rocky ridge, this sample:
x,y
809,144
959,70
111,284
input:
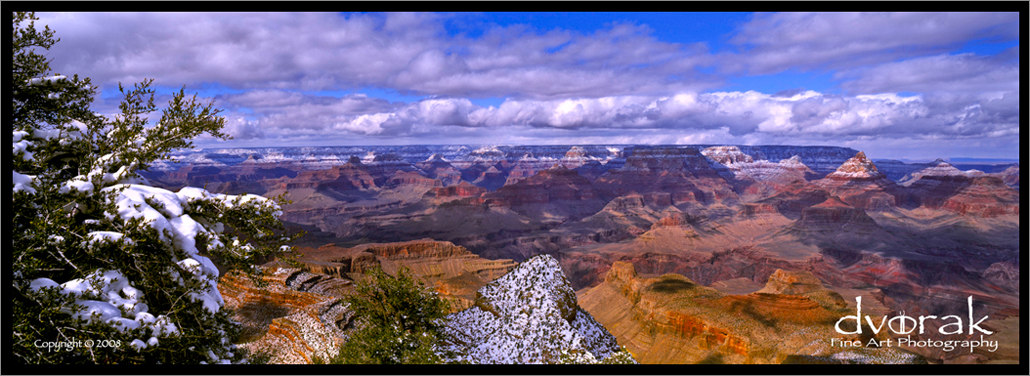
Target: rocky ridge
x,y
973,192
529,315
756,178
858,183
295,318
452,270
671,319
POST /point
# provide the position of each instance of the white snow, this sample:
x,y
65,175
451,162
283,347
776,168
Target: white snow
x,y
40,80
106,236
858,167
18,135
41,283
487,150
855,175
107,296
726,155
46,134
529,315
77,184
137,344
119,303
23,183
169,218
436,156
792,160
22,146
946,169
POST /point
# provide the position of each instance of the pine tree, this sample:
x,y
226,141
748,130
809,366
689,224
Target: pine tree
x,y
107,269
400,322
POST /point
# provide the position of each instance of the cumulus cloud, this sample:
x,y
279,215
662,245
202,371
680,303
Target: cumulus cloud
x,y
751,116
812,111
243,129
287,112
884,125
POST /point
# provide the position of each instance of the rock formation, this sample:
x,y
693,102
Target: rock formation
x,y
986,196
439,168
452,270
593,169
726,155
294,318
525,167
972,192
790,200
529,315
756,179
682,172
671,319
804,284
858,183
461,190
554,194
485,175
1010,176
834,215
1004,274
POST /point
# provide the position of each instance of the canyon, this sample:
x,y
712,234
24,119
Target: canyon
x,y
686,254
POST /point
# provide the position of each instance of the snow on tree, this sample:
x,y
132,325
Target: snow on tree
x,y
107,269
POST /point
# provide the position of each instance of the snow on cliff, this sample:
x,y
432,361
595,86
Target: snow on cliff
x,y
858,167
529,315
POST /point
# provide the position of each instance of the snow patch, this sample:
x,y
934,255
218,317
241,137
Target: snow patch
x,y
23,183
108,297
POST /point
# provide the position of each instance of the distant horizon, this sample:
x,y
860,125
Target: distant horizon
x,y
953,160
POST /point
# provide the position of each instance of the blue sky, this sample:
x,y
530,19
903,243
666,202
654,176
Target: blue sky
x,y
896,85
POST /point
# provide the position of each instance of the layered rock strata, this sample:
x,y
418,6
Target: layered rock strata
x,y
671,319
834,215
293,319
452,270
858,183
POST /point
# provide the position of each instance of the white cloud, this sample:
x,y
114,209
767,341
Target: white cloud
x,y
744,116
366,124
405,52
243,129
615,83
955,73
779,41
278,50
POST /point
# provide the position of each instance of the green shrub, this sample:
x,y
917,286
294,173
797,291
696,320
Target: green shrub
x,y
399,322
